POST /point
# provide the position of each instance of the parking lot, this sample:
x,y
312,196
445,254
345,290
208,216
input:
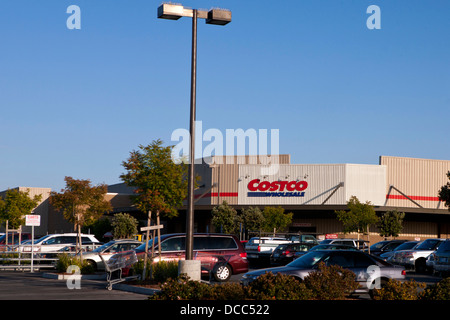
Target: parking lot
x,y
33,286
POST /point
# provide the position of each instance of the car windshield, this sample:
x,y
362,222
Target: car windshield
x,y
41,239
103,247
445,247
378,245
141,248
429,244
406,246
308,260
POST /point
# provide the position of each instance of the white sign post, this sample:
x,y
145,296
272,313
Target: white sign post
x,y
32,220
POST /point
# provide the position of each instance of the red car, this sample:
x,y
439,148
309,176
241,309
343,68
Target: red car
x,y
221,255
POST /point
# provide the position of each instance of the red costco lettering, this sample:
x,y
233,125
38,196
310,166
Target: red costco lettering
x,y
257,185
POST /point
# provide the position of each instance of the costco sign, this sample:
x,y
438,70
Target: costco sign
x,y
258,188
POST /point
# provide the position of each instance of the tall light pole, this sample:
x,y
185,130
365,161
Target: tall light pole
x,y
213,16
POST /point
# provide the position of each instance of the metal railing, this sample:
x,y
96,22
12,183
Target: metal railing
x,y
20,257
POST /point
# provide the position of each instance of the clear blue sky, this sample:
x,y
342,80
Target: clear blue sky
x,y
76,102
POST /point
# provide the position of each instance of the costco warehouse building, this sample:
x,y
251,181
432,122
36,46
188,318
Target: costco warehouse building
x,y
311,191
314,191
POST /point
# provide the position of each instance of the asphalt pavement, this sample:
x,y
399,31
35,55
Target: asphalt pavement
x,y
33,286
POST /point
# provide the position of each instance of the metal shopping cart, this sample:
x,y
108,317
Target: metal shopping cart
x,y
115,264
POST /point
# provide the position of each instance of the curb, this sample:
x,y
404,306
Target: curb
x,y
134,289
60,276
117,286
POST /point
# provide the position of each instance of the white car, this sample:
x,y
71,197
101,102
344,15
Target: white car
x,y
55,242
108,250
417,257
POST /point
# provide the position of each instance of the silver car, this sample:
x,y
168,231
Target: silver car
x,y
108,250
371,272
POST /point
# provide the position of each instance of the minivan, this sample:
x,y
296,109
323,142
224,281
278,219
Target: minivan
x,y
221,255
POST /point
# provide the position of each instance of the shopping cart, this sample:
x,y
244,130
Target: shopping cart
x,y
115,264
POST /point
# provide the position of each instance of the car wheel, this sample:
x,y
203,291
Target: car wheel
x,y
421,266
222,273
93,264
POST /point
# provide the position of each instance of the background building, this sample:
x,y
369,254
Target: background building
x,y
311,191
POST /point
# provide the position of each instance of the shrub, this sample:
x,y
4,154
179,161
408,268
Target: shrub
x,y
229,291
65,260
398,290
163,270
438,291
277,287
183,288
330,282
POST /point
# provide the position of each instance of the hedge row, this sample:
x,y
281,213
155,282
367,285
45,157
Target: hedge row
x,y
327,283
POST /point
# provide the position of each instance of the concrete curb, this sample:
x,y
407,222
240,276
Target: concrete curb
x,y
134,289
65,276
117,286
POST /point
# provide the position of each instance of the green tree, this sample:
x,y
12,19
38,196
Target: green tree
x,y
252,218
15,205
160,183
391,223
124,225
358,217
225,218
81,203
275,219
444,193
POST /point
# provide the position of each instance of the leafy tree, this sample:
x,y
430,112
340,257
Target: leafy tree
x,y
225,218
275,219
252,218
124,225
358,217
390,223
161,184
15,205
81,203
444,193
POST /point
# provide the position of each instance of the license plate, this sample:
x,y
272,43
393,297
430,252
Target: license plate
x,y
252,256
276,255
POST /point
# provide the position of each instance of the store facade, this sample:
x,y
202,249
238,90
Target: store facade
x,y
314,191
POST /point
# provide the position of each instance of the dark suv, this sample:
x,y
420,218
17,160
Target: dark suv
x,y
442,258
221,255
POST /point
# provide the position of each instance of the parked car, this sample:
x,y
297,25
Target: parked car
x,y
359,244
417,258
285,253
326,247
259,249
55,242
221,255
302,238
387,256
385,246
441,258
357,261
13,240
108,250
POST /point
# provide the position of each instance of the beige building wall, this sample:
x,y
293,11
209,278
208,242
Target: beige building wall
x,y
418,179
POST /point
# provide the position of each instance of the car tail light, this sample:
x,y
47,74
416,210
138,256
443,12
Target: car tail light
x,y
285,253
408,254
243,255
403,272
259,249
